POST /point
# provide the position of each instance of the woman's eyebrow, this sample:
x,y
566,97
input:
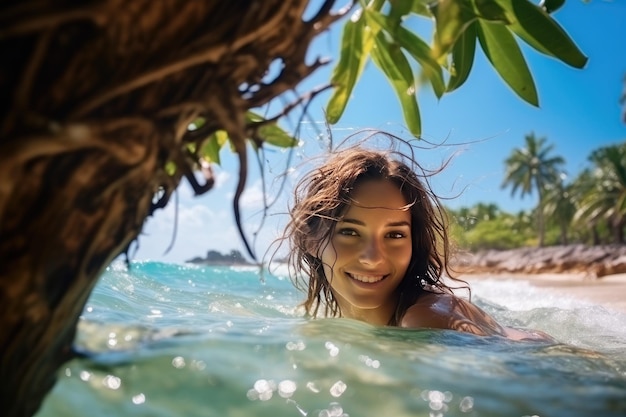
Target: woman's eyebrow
x,y
352,221
361,223
399,224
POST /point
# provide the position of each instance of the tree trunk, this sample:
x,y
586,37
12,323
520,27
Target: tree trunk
x,y
617,224
595,234
564,237
66,213
94,104
541,226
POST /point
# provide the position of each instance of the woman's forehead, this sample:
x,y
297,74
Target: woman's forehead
x,y
383,194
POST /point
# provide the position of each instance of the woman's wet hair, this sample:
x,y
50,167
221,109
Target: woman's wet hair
x,y
324,194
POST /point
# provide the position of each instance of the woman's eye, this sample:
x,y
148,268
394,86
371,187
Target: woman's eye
x,y
347,232
396,235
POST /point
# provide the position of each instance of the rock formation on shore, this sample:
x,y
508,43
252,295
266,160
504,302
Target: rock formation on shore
x,y
216,258
594,261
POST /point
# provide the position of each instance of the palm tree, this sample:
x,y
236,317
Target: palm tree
x,y
559,206
584,190
605,194
531,168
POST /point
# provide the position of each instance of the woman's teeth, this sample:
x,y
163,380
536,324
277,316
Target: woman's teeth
x,y
369,279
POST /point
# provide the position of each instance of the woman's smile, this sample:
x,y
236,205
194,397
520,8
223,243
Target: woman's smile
x,y
369,279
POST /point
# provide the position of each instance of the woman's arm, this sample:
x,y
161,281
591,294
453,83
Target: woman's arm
x,y
446,311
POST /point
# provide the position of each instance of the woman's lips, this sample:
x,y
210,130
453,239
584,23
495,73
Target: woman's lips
x,y
367,279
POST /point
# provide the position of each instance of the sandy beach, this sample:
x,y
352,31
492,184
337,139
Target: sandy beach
x,y
608,291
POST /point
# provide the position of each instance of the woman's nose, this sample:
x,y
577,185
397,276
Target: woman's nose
x,y
371,253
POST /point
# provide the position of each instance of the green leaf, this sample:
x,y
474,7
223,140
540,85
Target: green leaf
x,y
506,57
170,168
451,19
462,57
421,52
197,123
421,8
415,46
374,4
356,43
490,10
210,149
399,9
270,132
252,117
390,59
552,5
539,30
274,135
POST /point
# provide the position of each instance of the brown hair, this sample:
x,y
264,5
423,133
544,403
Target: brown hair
x,y
323,195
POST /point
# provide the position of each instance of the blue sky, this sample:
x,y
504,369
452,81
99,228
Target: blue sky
x,y
579,112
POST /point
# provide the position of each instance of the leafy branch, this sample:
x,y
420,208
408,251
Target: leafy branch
x,y
377,30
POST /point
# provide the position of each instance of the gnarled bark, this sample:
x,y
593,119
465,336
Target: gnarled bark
x,y
96,98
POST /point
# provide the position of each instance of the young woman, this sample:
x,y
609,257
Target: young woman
x,y
368,241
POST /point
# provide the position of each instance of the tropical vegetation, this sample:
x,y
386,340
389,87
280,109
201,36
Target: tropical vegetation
x,y
589,209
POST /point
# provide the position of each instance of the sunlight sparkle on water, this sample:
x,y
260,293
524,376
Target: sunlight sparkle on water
x,y
437,400
334,410
263,390
112,382
312,387
333,350
372,363
299,345
338,389
178,362
286,388
467,404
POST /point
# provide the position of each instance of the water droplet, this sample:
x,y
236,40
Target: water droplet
x,y
139,399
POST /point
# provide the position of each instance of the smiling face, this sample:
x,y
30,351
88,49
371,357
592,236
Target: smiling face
x,y
369,252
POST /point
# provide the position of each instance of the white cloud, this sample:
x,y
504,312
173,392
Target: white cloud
x,y
222,178
197,229
252,197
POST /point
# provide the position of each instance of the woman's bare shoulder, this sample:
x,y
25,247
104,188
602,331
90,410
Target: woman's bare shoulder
x,y
430,310
447,311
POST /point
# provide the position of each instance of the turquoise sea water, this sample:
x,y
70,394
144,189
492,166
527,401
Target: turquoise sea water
x,y
184,340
